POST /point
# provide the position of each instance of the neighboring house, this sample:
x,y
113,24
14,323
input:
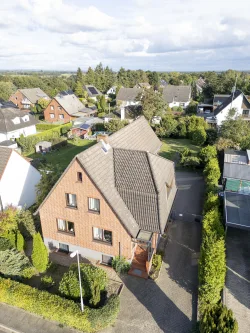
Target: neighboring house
x,y
113,199
219,99
14,122
111,91
64,107
236,101
92,91
43,147
81,130
163,83
18,180
236,182
177,95
9,144
200,84
26,98
130,112
87,112
127,96
143,85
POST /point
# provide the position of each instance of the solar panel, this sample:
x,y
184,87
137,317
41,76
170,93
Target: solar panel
x,y
93,90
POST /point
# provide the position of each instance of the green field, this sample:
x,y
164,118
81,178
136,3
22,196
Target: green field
x,y
171,148
64,155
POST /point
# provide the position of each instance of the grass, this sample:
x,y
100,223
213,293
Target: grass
x,y
171,148
64,155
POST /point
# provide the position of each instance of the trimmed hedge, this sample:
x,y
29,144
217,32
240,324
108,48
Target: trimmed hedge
x,y
56,308
28,143
45,127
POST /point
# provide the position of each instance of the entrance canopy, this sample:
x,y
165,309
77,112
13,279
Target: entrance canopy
x,y
144,236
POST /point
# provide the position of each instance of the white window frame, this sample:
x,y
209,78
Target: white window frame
x,y
52,115
99,235
94,205
71,200
63,226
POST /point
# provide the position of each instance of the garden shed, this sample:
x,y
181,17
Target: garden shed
x,y
43,146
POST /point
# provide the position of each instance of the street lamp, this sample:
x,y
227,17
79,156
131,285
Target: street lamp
x,y
72,255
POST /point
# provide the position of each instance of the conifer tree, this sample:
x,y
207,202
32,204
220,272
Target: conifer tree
x,y
40,256
13,263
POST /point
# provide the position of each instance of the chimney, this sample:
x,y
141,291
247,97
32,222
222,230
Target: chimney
x,y
122,113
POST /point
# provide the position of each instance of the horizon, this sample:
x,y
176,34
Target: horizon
x,y
167,36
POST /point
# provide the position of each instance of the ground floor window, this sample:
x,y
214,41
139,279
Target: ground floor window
x,y
63,248
107,260
102,235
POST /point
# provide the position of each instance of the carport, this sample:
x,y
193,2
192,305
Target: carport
x,y
237,210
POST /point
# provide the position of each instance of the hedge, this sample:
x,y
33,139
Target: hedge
x,y
45,127
54,307
28,143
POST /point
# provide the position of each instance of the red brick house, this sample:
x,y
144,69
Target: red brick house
x,y
113,199
64,107
24,99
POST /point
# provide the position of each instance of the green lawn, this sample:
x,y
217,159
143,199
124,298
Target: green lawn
x,y
64,155
171,147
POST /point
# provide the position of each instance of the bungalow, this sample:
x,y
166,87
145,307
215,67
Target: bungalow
x,y
64,107
92,91
18,180
177,95
236,182
128,96
14,122
26,98
113,199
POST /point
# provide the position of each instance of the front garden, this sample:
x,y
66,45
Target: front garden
x,y
48,289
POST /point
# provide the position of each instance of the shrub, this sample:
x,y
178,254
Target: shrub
x,y
207,153
19,241
190,161
212,171
26,223
47,281
5,244
54,307
40,257
11,236
120,264
218,319
94,280
212,201
199,136
156,261
12,262
45,127
101,114
8,220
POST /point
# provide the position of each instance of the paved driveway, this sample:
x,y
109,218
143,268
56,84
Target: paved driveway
x,y
237,294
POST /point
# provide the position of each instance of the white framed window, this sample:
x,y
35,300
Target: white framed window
x,y
102,235
52,115
94,205
71,200
61,116
51,107
65,226
63,248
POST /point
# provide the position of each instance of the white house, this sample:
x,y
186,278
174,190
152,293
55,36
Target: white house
x,y
236,101
111,91
177,96
14,122
18,180
128,96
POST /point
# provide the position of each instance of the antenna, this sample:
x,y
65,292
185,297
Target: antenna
x,y
233,90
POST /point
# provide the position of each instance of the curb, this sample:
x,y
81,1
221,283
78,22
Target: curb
x,y
9,329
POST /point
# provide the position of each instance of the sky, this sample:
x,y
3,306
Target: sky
x,y
160,35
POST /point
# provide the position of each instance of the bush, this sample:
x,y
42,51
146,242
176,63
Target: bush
x,y
47,282
94,280
199,136
207,153
120,264
5,244
156,261
218,319
212,201
19,241
190,161
54,307
212,171
45,127
11,236
26,223
28,143
40,256
12,262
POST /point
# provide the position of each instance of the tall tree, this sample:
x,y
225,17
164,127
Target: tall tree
x,y
79,75
40,256
152,103
79,89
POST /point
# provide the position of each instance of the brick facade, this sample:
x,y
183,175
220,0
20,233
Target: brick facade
x,y
17,99
56,109
84,221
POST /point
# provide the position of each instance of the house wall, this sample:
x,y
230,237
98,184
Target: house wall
x,y
18,182
179,104
84,221
29,130
17,100
55,108
237,103
127,103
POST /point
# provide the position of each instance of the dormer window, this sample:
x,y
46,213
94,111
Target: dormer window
x,y
16,120
25,118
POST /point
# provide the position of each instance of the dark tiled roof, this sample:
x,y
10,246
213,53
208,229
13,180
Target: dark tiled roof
x,y
176,93
34,94
237,171
219,99
7,114
5,155
128,94
7,143
228,100
69,101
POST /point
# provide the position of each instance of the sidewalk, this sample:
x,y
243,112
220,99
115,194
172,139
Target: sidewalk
x,y
15,320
